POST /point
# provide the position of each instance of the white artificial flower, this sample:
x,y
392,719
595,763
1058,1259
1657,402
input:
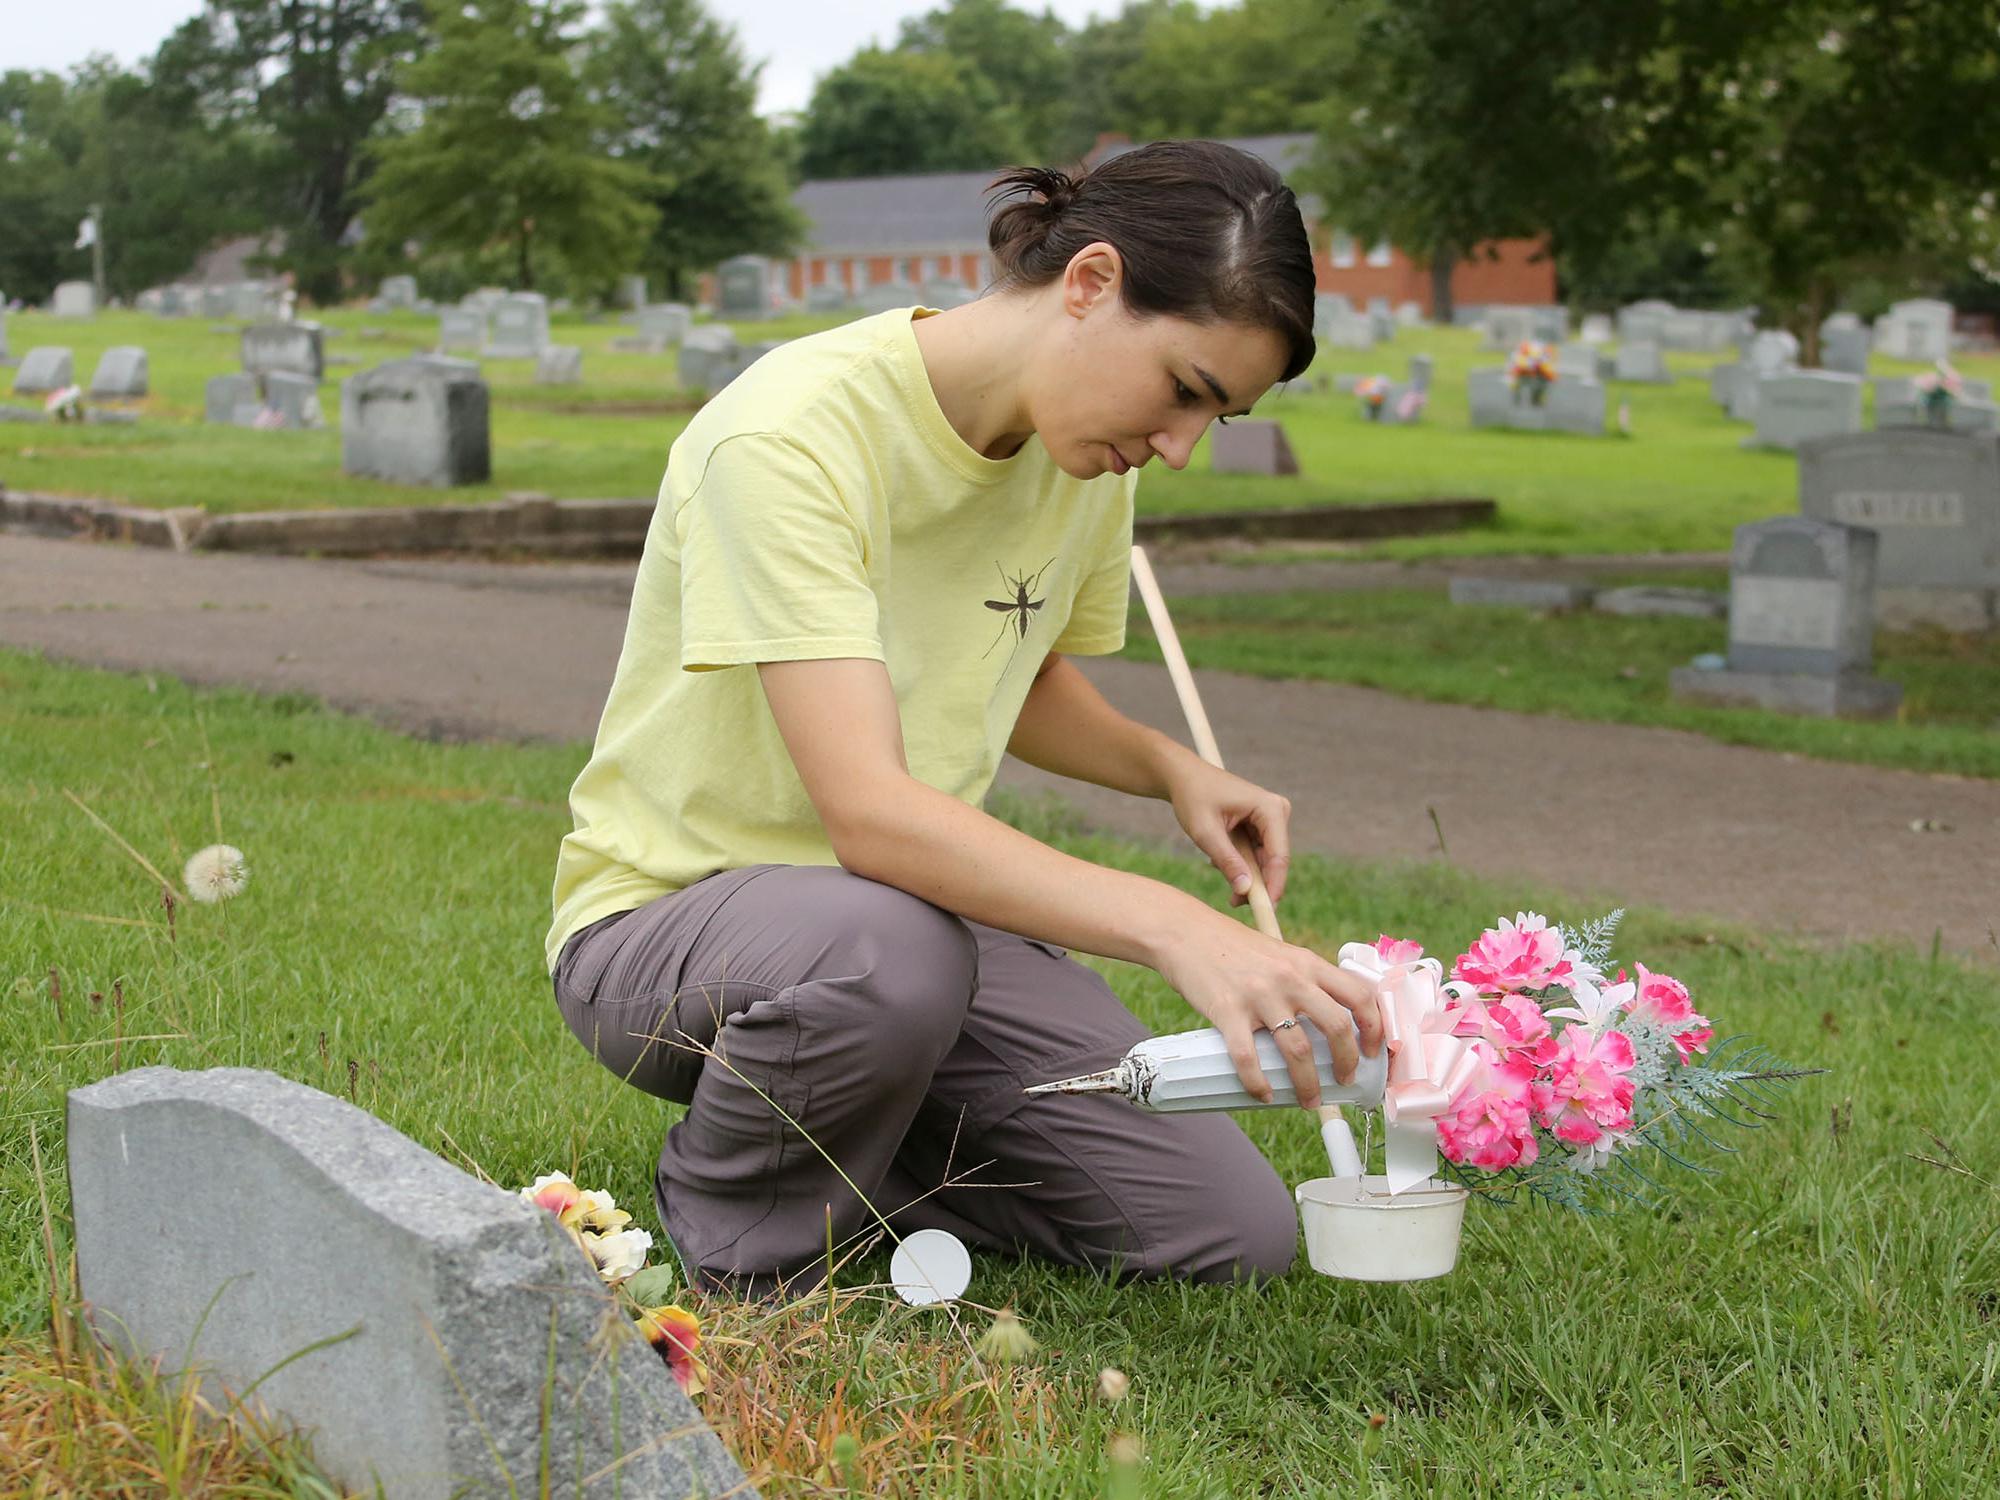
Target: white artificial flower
x,y
619,1255
215,873
599,1213
1596,1007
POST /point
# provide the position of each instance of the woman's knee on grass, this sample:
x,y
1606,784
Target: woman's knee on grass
x,y
914,967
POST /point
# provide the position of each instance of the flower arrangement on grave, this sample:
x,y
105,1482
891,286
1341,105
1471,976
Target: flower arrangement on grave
x,y
1531,370
1936,390
1528,1068
1373,391
599,1227
65,404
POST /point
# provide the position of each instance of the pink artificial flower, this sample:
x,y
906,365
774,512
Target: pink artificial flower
x,y
1511,1025
1524,954
1584,1094
1665,1002
1492,1128
1398,950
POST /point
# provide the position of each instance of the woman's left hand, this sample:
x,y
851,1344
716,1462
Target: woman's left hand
x,y
1210,801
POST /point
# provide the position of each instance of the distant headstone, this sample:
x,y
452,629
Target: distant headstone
x,y
1802,404
120,373
708,357
454,1341
726,364
486,298
417,421
885,296
743,288
632,291
519,327
461,328
1933,499
1410,314
1507,326
295,398
294,348
74,299
1723,380
214,301
1644,320
1250,446
828,296
666,322
1597,329
1843,345
1548,325
1898,404
231,400
1584,360
3,332
1519,593
1919,329
1653,599
559,364
1569,405
1771,351
1801,623
1326,307
44,369
252,300
399,292
1642,360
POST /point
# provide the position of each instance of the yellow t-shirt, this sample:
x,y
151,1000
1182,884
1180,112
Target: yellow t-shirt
x,y
822,506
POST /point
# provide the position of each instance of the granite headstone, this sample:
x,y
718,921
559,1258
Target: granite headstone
x,y
435,1334
417,421
120,373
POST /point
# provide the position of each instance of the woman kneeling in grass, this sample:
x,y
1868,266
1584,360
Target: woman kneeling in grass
x,y
873,554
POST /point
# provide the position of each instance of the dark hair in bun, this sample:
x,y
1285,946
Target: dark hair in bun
x,y
1207,232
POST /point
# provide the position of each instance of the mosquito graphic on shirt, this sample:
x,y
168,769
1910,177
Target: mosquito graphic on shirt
x,y
1019,609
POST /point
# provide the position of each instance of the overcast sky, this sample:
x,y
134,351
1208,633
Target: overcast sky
x,y
797,39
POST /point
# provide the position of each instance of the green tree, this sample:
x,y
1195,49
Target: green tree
x,y
507,147
894,112
168,181
1021,57
683,104
1823,143
313,80
1448,126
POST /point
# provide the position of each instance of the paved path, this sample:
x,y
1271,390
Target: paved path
x,y
473,650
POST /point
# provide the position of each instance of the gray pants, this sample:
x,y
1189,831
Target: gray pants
x,y
899,1036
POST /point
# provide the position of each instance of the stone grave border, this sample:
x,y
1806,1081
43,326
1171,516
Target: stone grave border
x,y
612,528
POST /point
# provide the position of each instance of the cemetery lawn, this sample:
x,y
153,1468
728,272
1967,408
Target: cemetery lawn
x,y
1587,665
1680,483
1821,1317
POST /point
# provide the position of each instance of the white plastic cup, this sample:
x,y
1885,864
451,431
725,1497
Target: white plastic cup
x,y
930,1265
1355,1230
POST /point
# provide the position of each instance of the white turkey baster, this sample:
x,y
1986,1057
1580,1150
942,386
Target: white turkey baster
x,y
1191,1070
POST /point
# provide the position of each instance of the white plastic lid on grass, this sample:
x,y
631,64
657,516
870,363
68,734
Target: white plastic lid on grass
x,y
931,1265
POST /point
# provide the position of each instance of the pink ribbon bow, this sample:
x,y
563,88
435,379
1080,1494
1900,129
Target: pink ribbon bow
x,y
1427,1068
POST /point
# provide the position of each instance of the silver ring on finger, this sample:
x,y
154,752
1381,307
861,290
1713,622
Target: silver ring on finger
x,y
1283,1024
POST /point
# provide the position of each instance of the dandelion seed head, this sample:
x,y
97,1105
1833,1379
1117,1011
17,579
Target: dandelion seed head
x,y
215,874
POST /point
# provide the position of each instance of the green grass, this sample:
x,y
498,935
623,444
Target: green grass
x,y
1681,482
1586,665
1821,1318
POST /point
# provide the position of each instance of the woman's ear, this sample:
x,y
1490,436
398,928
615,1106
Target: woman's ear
x,y
1092,278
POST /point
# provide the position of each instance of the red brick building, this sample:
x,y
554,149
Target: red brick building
x,y
932,227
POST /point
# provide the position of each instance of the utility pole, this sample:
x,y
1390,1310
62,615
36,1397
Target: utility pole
x,y
97,251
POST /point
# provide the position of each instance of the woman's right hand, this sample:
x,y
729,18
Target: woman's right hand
x,y
1242,981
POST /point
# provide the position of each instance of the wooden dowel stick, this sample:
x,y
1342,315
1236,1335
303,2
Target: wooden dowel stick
x,y
1198,726
1334,1131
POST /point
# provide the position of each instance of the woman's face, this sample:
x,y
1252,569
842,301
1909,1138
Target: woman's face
x,y
1117,390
